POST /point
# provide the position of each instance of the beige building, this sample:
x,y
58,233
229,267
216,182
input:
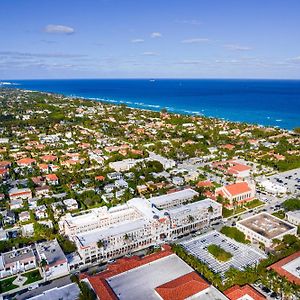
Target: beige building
x,y
263,228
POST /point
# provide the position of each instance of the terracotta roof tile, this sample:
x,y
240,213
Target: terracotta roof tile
x,y
236,292
182,287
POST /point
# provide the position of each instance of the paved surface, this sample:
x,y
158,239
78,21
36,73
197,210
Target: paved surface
x,y
43,287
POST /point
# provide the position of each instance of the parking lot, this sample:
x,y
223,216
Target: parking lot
x,y
242,255
289,179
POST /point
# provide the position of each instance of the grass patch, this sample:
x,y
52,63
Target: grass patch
x,y
219,253
279,214
7,284
234,233
230,212
254,203
32,276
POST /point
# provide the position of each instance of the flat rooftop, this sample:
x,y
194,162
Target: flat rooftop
x,y
95,235
289,267
180,195
293,267
140,283
267,225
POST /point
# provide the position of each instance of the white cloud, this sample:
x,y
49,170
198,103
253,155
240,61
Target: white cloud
x,y
237,47
295,60
156,35
59,29
150,53
136,41
195,41
190,22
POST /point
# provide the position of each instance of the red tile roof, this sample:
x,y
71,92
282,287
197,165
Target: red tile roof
x,y
51,177
26,161
238,188
5,164
49,158
206,183
182,287
278,267
98,281
236,292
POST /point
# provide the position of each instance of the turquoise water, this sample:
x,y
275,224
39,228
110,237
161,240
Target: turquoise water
x,y
265,102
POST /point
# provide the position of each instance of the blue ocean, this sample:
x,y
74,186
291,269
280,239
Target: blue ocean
x,y
264,102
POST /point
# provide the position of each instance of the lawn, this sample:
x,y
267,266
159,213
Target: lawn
x,y
219,253
32,276
254,203
230,212
279,214
7,285
234,233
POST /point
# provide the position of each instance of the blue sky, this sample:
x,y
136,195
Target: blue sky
x,y
149,38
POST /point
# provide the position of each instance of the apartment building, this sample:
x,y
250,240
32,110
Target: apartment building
x,y
17,261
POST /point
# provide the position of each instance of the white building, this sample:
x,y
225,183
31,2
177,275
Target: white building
x,y
174,199
263,228
166,163
17,261
103,234
293,217
56,261
24,194
273,188
71,204
124,165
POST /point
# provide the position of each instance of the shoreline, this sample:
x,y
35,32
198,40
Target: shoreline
x,y
273,121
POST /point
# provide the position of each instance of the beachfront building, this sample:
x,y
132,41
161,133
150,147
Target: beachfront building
x,y
263,228
237,193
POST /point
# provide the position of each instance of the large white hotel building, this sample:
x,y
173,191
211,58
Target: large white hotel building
x,y
102,234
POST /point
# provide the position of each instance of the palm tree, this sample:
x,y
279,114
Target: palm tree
x,y
100,244
43,263
210,210
191,219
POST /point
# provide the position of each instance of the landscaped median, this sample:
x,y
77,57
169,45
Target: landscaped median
x,y
10,283
219,253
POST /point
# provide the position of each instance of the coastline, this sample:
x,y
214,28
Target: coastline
x,y
212,103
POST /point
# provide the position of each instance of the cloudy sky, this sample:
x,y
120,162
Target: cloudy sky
x,y
149,38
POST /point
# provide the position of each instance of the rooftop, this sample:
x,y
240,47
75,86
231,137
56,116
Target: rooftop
x,y
180,195
66,292
18,255
267,225
93,236
140,283
52,252
238,188
289,267
245,292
